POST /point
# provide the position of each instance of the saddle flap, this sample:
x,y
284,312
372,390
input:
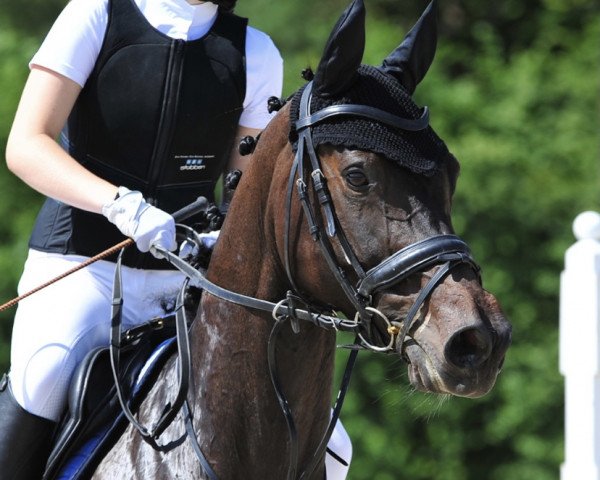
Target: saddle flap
x,y
94,419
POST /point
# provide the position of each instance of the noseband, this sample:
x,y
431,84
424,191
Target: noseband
x,y
449,251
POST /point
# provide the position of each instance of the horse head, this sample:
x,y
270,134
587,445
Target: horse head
x,y
372,230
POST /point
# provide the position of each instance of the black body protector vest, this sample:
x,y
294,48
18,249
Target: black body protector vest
x,y
157,115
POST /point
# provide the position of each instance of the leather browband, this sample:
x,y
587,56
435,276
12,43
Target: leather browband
x,y
371,113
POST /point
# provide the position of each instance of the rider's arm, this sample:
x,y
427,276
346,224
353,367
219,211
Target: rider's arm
x,y
33,154
59,69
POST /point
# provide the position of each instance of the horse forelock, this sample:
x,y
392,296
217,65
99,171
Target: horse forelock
x,y
421,152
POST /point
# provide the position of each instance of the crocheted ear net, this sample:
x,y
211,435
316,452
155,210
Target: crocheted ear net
x,y
421,152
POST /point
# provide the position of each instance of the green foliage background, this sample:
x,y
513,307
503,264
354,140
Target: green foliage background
x,y
514,91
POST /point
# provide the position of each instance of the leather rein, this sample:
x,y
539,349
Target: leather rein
x,y
448,251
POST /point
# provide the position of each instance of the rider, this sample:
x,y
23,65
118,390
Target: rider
x,y
147,99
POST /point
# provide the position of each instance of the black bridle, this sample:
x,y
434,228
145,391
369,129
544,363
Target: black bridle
x,y
447,251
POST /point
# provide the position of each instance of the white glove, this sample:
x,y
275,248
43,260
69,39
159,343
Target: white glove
x,y
209,239
147,225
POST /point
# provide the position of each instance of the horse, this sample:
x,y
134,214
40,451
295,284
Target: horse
x,y
343,218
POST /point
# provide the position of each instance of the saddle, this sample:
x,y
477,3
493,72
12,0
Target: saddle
x,y
96,417
94,420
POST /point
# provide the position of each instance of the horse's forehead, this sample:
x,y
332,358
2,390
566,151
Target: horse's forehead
x,y
421,152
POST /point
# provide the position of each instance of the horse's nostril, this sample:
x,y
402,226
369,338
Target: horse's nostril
x,y
469,348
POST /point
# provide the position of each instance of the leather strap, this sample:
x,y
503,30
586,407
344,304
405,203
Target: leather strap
x,y
316,318
189,428
365,111
183,344
184,363
416,257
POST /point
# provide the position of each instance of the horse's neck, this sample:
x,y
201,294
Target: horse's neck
x,y
240,411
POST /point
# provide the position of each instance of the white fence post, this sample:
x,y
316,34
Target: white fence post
x,y
580,350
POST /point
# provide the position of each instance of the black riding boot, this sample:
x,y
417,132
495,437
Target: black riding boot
x,y
25,439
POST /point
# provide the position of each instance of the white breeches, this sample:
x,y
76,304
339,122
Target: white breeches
x,y
56,327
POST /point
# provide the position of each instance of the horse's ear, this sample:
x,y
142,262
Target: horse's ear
x,y
343,53
411,60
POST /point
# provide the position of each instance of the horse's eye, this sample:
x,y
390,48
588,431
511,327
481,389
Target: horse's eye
x,y
356,178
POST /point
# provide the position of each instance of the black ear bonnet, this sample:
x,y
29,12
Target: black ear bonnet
x,y
421,152
341,79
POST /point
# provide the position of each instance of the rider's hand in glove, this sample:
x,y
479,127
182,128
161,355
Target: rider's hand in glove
x,y
147,225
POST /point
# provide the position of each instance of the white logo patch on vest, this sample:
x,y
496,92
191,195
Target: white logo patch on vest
x,y
193,162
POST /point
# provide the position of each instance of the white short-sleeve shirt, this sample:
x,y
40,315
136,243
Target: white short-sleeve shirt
x,y
74,42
